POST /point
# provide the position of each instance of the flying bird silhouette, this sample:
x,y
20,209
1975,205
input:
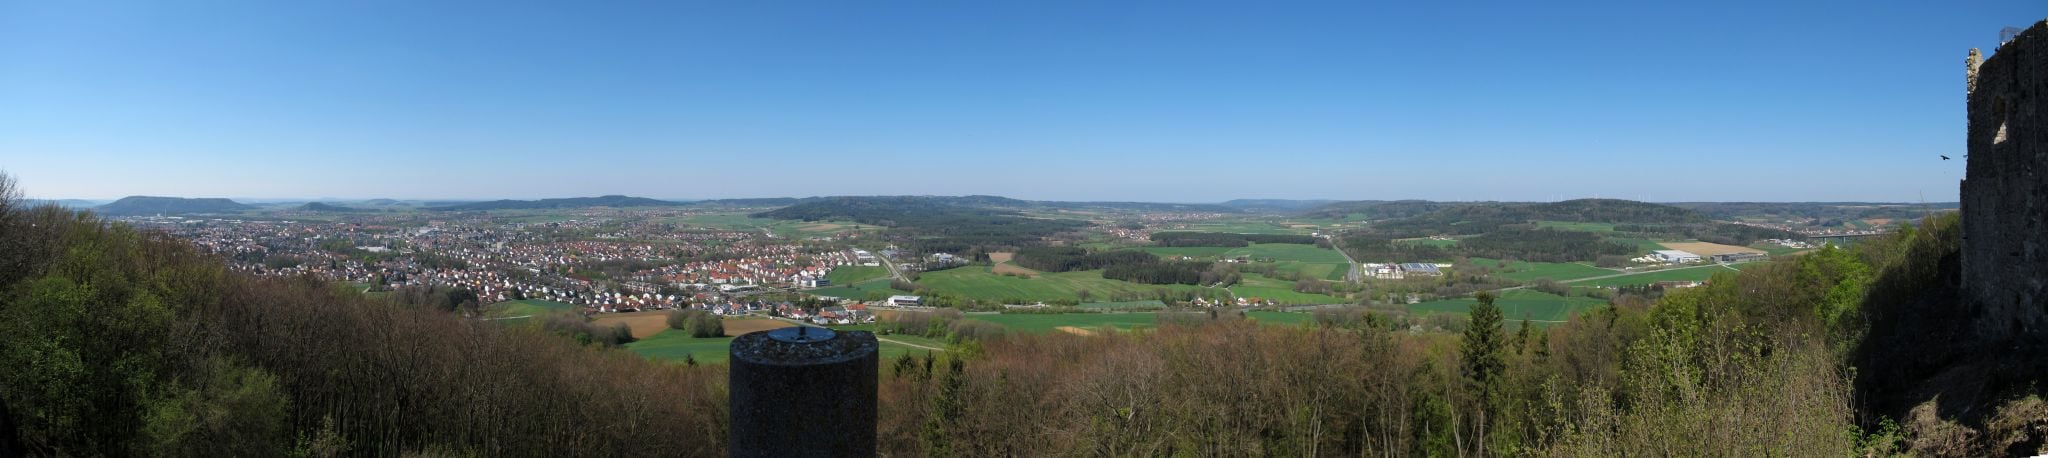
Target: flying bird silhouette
x,y
1944,157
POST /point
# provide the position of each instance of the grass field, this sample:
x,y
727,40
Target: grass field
x,y
1287,257
1530,271
847,275
1576,226
1282,291
1700,273
1516,305
979,283
1044,323
1122,305
675,345
525,308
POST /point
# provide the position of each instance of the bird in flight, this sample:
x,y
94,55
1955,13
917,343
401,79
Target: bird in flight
x,y
1944,157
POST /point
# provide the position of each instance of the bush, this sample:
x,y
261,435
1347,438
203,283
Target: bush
x,y
697,323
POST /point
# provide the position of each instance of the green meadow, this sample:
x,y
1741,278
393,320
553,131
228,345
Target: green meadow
x,y
978,283
1530,271
1699,273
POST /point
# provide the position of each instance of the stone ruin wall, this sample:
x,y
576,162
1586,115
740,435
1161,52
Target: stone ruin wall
x,y
2005,191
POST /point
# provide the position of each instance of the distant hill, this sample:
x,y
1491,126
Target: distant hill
x,y
1276,204
1377,209
754,202
75,204
878,210
151,205
325,208
573,202
1139,206
382,202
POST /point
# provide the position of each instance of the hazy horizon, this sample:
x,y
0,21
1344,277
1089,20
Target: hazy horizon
x,y
1155,102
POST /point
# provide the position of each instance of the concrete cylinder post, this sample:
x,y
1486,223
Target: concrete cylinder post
x,y
803,391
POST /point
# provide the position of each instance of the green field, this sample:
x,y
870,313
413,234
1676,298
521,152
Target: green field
x,y
1122,305
1289,258
675,345
859,291
1529,271
1516,305
1700,273
1043,323
847,275
1282,291
526,307
1577,226
978,283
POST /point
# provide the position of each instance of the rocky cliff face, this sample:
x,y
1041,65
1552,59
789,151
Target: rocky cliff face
x,y
2005,192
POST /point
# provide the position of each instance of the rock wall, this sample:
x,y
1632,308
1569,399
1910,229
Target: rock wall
x,y
2005,191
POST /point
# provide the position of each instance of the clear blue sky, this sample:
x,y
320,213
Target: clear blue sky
x,y
1118,100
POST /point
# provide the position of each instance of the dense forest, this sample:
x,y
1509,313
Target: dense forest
x,y
1479,218
121,342
1126,265
1541,245
1225,239
1377,209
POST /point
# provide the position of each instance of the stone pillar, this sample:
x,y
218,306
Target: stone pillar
x,y
803,391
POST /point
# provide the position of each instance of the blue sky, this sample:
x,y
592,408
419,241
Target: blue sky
x,y
1157,101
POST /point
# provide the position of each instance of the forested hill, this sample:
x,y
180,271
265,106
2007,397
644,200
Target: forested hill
x,y
1479,218
981,202
573,202
1276,204
752,202
151,205
1378,209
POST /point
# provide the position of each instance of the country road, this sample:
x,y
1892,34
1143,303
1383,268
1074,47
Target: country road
x,y
1353,275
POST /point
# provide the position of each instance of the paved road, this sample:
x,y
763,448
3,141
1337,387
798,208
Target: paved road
x,y
1354,275
892,267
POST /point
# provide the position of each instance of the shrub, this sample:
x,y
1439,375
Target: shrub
x,y
697,323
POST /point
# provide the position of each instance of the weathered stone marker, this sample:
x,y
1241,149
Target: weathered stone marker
x,y
803,391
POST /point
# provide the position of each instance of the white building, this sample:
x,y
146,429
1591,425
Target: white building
x,y
1675,256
